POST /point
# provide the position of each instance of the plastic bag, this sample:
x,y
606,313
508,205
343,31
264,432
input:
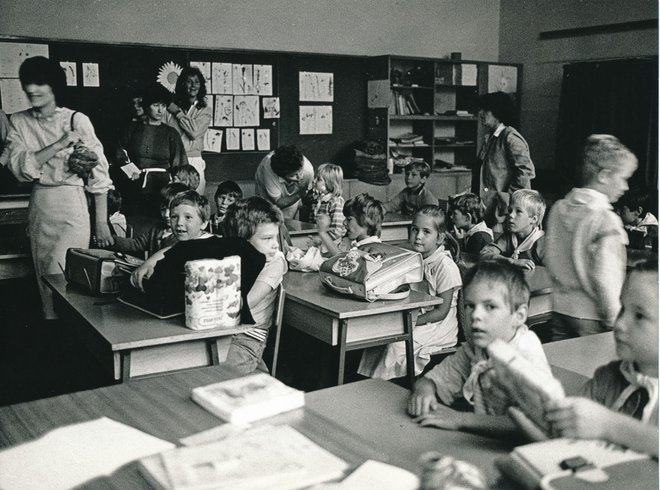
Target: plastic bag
x,y
308,261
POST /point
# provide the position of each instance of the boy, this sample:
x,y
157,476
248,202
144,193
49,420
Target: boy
x,y
586,242
188,175
414,195
467,214
227,193
160,235
252,232
522,244
640,225
621,404
496,297
364,217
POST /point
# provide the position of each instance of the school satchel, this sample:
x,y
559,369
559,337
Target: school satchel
x,y
95,270
373,271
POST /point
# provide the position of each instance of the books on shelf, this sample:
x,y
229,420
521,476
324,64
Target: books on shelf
x,y
403,104
250,398
408,139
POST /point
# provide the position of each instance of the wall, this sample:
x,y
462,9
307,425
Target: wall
x,y
520,25
366,27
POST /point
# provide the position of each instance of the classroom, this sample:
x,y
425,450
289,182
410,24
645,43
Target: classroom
x,y
315,110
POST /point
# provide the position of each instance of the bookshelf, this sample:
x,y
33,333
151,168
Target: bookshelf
x,y
430,108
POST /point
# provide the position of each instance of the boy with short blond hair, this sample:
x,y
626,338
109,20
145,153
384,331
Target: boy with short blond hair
x,y
414,195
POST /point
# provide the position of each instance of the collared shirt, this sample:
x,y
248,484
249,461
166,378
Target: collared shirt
x,y
192,126
272,187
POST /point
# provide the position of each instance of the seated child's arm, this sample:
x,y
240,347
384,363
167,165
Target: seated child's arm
x,y
586,419
449,419
396,204
133,246
268,279
422,399
439,313
323,222
496,250
147,268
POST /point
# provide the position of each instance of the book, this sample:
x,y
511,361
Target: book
x,y
265,457
250,398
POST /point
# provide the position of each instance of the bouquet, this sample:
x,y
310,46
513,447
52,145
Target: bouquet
x,y
82,161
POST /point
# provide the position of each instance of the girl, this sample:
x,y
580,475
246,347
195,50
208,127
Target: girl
x,y
434,328
327,211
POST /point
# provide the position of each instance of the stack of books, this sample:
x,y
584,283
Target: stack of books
x,y
408,139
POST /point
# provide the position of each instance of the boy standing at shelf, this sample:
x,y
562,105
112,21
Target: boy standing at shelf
x,y
414,195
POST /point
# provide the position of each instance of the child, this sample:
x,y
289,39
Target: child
x,y
621,404
116,218
467,214
414,195
436,327
586,243
160,235
329,204
252,227
227,193
639,223
522,244
188,175
496,297
364,217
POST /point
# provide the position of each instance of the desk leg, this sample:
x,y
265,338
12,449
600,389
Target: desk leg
x,y
213,352
125,366
343,327
410,353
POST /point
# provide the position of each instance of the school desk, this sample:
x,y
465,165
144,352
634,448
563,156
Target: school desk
x,y
349,323
132,343
582,354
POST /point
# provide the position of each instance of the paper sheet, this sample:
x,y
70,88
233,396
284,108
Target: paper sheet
x,y
378,93
263,79
502,79
69,456
246,110
205,68
469,74
13,54
221,78
263,139
233,139
242,79
213,140
316,87
71,73
374,474
224,111
12,96
247,139
91,75
316,119
271,107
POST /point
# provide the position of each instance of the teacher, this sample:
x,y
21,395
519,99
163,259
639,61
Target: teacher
x,y
283,177
503,164
40,141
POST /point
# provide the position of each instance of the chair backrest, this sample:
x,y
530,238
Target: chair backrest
x,y
276,328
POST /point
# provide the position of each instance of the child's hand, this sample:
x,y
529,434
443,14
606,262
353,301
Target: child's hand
x,y
577,417
525,264
313,241
323,222
443,418
422,399
141,273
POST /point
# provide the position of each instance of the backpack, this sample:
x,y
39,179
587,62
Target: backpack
x,y
373,271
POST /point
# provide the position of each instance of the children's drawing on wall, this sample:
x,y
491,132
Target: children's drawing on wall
x,y
71,73
205,68
316,87
90,73
502,79
12,95
242,79
233,139
263,79
168,75
13,54
247,139
316,119
271,107
224,111
263,139
221,78
213,140
246,110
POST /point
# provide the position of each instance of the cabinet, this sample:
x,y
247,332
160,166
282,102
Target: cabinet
x,y
427,108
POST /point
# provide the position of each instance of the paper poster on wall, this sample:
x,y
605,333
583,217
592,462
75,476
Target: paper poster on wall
x,y
271,107
233,139
91,75
316,87
213,140
12,96
246,110
242,79
263,139
224,110
247,139
469,75
502,79
221,78
262,78
378,93
205,68
316,119
71,73
13,54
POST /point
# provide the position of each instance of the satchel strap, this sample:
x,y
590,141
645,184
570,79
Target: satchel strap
x,y
71,122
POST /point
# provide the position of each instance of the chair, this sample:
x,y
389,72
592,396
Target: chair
x,y
272,350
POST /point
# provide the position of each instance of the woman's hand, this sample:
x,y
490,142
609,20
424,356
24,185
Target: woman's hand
x,y
173,108
69,138
103,237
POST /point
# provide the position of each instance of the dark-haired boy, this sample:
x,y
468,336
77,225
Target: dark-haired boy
x,y
414,195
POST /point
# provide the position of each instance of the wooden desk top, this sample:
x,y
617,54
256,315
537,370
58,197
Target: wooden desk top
x,y
582,354
297,227
539,279
124,327
306,288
